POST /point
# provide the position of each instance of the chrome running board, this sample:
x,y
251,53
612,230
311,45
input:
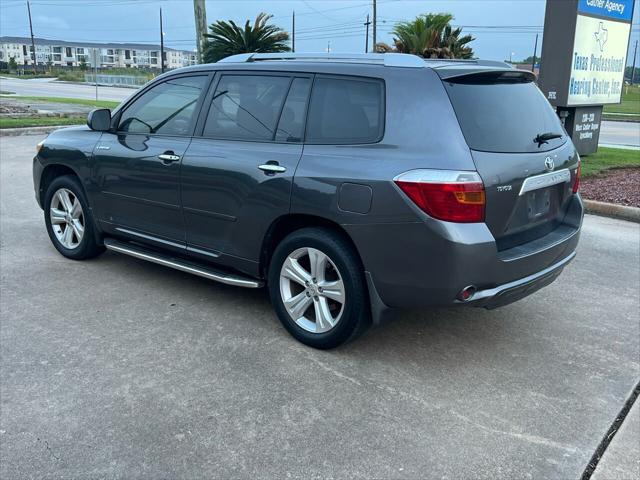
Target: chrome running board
x,y
182,265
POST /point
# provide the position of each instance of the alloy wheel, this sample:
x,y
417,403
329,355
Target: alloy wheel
x,y
67,218
312,290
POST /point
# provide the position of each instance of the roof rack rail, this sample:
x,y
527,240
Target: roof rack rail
x,y
385,59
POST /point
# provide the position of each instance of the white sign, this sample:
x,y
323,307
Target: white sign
x,y
598,61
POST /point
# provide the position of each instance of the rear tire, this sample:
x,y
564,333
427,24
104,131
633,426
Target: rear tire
x,y
69,220
317,288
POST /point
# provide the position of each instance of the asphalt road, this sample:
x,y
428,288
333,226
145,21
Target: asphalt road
x,y
120,368
45,87
612,133
620,133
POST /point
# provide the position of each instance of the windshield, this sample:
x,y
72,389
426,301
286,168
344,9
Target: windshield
x,y
504,115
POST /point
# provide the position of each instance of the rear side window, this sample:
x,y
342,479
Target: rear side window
x,y
291,125
345,111
246,107
503,115
167,108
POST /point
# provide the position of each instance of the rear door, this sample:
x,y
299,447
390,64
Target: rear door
x,y
237,174
522,152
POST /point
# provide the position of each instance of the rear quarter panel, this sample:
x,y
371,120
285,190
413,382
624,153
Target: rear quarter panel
x,y
421,131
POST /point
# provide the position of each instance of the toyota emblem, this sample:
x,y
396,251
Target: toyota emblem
x,y
549,164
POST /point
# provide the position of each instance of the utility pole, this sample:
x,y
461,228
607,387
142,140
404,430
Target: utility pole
x,y
161,44
366,38
633,69
293,32
33,42
200,13
375,22
535,50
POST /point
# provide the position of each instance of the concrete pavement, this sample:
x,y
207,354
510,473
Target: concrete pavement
x,y
621,461
123,369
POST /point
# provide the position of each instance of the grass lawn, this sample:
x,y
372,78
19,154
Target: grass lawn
x,y
40,121
606,158
75,101
630,103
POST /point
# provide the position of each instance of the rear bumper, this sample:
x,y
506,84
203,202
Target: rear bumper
x,y
428,263
513,291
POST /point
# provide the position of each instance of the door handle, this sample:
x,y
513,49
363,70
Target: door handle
x,y
270,167
169,157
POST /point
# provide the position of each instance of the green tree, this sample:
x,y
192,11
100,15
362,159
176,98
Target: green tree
x,y
82,64
227,38
430,36
13,65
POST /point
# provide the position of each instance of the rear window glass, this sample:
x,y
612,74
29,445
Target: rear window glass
x,y
344,111
503,115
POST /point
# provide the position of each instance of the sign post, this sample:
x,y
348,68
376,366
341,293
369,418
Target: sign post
x,y
583,60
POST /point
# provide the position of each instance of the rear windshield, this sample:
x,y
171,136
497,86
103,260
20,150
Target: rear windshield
x,y
503,115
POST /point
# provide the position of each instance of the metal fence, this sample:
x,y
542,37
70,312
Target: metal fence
x,y
117,80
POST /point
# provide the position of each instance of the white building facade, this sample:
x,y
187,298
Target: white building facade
x,y
58,53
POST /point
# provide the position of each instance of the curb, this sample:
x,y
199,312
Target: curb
x,y
604,209
15,132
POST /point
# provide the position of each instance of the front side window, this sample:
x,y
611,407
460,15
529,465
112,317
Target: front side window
x,y
346,111
167,108
246,107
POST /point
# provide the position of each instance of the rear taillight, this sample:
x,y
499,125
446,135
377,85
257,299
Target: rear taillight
x,y
576,181
445,194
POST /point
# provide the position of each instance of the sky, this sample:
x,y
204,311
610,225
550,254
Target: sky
x,y
502,28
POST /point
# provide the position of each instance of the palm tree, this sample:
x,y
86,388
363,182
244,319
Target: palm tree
x,y
430,36
227,38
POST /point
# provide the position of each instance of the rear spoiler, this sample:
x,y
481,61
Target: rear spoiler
x,y
476,74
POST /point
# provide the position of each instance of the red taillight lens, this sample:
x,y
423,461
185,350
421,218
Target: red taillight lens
x,y
576,181
446,195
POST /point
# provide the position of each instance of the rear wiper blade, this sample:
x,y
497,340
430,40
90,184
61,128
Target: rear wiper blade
x,y
543,138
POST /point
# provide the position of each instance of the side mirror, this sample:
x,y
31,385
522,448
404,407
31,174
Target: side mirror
x,y
99,119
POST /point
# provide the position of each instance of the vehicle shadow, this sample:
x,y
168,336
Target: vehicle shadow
x,y
426,335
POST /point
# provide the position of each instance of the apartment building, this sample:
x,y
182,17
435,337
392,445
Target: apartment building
x,y
73,54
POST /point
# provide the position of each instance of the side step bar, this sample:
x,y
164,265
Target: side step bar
x,y
182,265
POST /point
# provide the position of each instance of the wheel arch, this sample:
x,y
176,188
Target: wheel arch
x,y
50,173
287,224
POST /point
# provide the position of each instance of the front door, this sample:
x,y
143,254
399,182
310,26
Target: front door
x,y
237,176
137,168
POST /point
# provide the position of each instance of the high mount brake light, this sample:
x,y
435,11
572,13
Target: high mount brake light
x,y
447,195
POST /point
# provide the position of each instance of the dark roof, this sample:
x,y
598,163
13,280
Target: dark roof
x,y
64,43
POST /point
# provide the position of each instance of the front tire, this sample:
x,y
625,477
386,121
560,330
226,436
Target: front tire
x,y
69,221
317,288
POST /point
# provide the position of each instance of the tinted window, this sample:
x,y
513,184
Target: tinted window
x,y
503,116
246,107
167,108
291,125
345,111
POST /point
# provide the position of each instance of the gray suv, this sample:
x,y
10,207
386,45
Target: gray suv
x,y
349,185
